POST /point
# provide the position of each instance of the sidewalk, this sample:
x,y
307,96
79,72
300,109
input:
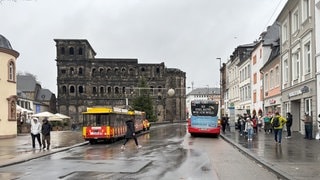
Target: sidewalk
x,y
19,149
295,158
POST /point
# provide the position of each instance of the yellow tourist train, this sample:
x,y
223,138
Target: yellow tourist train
x,y
108,123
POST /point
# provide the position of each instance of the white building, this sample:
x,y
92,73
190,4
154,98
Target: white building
x,y
259,57
202,94
245,85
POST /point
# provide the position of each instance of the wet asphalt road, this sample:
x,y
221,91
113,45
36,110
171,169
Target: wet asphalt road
x,y
168,152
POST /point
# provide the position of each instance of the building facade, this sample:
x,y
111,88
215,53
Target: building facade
x,y
237,61
272,81
317,57
259,56
84,81
297,53
8,93
202,94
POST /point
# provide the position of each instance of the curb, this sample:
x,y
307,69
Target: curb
x,y
36,156
268,166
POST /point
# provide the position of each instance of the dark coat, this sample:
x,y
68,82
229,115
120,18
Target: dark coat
x,y
130,129
46,128
289,119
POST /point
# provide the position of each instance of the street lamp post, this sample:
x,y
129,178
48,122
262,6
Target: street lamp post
x,y
220,85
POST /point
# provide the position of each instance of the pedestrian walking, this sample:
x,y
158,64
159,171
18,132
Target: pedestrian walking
x,y
255,123
130,134
249,128
260,122
307,126
224,123
289,124
242,124
45,131
267,124
35,132
277,122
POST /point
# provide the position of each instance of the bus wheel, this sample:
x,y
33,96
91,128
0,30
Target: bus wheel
x,y
92,141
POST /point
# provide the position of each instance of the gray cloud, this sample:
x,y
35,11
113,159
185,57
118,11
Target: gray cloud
x,y
185,34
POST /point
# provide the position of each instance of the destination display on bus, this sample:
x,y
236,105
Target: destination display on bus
x,y
204,108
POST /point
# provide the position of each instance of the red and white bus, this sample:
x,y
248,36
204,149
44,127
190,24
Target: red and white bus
x,y
204,118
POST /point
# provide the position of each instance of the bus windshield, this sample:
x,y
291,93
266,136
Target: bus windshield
x,y
204,108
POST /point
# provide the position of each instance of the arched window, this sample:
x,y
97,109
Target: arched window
x,y
116,90
80,89
12,108
101,89
62,50
11,71
64,89
109,90
131,71
72,89
123,90
158,70
71,71
71,51
123,70
94,90
101,71
80,51
108,70
93,72
80,71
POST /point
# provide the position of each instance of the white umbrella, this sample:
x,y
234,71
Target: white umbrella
x,y
55,118
44,114
62,116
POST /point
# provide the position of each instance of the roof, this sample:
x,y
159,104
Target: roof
x,y
204,91
272,34
44,95
26,83
4,43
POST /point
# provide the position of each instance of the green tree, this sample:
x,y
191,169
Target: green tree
x,y
143,102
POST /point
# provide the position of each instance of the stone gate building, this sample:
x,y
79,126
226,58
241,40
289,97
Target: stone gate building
x,y
85,81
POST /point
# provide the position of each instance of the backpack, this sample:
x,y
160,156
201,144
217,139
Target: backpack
x,y
276,122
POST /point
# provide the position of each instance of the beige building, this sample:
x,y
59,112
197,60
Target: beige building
x,y
297,56
8,98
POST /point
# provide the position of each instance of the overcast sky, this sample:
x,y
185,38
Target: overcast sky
x,y
186,34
